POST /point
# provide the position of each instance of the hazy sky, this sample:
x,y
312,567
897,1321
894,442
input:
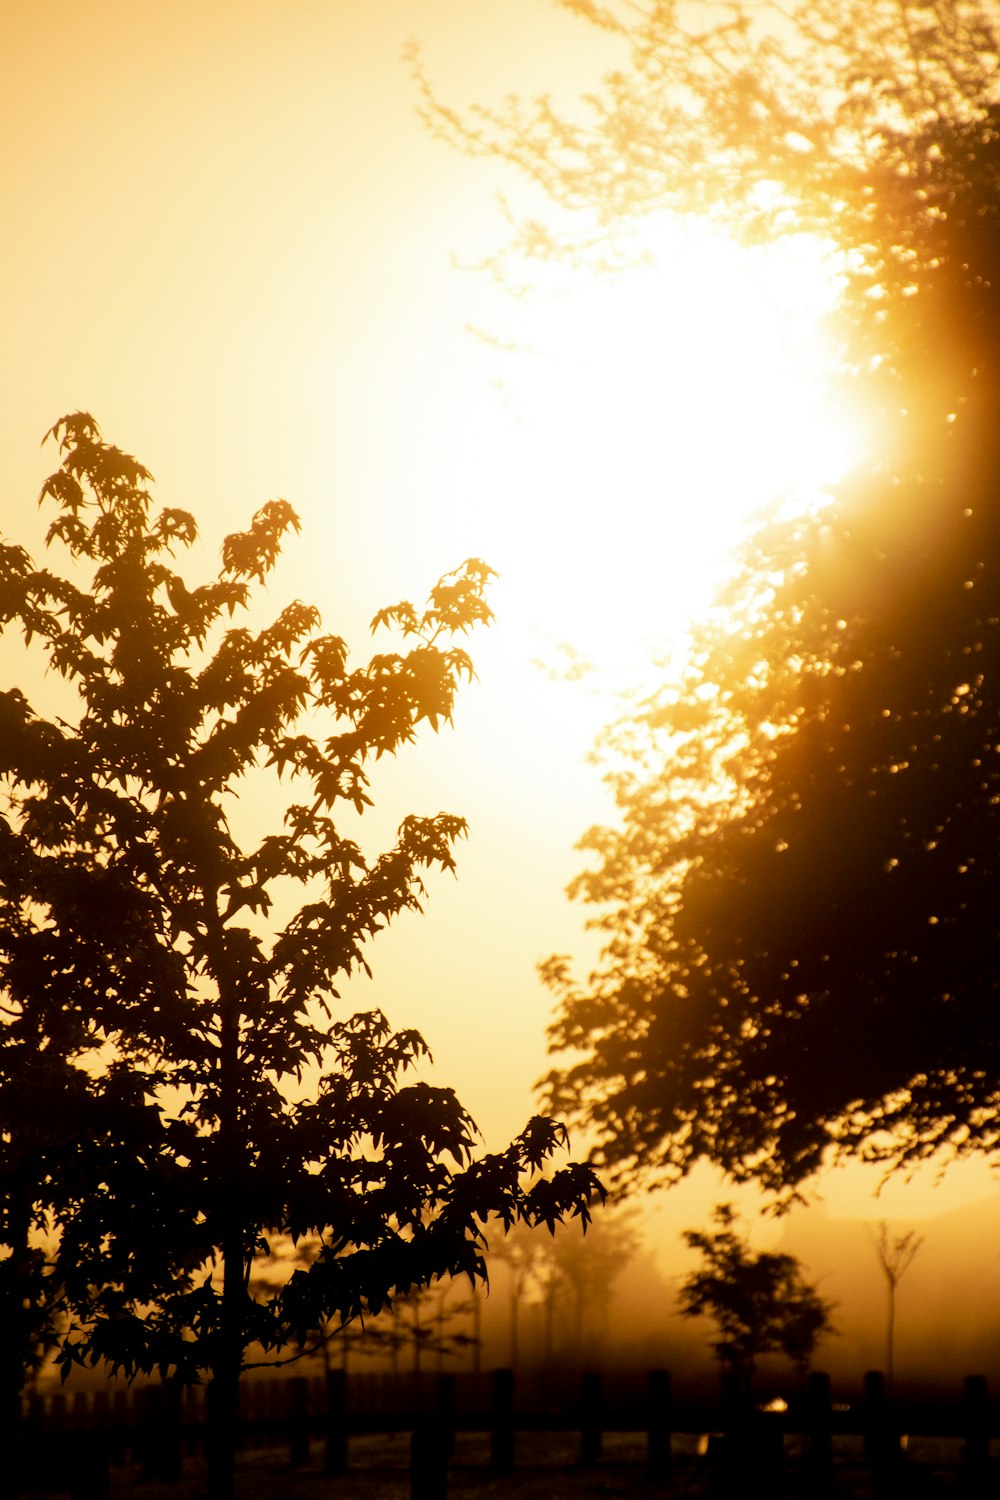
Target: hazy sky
x,y
228,236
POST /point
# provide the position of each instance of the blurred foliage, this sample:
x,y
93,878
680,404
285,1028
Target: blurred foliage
x,y
800,896
566,1277
764,118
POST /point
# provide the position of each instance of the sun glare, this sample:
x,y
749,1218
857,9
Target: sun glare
x,y
640,421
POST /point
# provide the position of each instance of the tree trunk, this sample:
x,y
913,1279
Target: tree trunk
x,y
224,1390
416,1330
10,1414
439,1334
477,1333
515,1299
15,1352
550,1320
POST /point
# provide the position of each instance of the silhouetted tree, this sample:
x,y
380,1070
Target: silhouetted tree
x,y
759,1301
157,952
896,1254
801,897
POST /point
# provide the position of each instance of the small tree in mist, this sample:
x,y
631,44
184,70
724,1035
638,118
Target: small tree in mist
x,y
896,1254
760,1301
162,984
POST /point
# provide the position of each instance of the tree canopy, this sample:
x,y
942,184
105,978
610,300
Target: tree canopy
x,y
165,990
769,119
800,896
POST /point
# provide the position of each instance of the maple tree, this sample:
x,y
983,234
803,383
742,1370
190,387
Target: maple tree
x,y
167,994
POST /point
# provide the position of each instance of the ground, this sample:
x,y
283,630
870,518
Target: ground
x,y
546,1470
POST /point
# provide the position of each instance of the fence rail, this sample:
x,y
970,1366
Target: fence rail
x,y
156,1428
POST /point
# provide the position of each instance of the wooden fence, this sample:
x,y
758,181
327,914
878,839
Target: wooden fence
x,y
73,1443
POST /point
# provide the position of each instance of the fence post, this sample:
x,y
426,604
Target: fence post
x,y
431,1445
881,1440
298,1421
590,1418
171,1447
335,1433
659,1457
158,1432
976,1428
121,1425
766,1451
502,1436
91,1475
57,1416
817,1460
728,1456
446,1410
100,1409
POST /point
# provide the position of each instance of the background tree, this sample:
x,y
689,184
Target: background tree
x,y
424,1326
519,1251
800,898
760,1302
896,1254
763,118
803,962
137,922
583,1273
575,1274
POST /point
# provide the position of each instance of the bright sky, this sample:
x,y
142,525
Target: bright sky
x,y
227,235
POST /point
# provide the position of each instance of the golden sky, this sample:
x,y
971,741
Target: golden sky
x,y
228,236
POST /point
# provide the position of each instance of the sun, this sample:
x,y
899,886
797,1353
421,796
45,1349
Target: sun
x,y
639,421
